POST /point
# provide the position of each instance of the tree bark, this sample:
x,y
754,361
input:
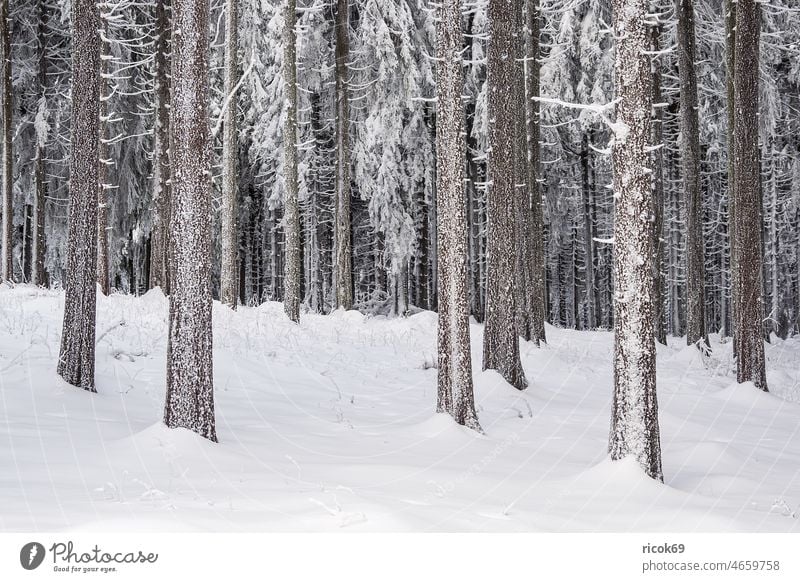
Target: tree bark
x,y
229,274
38,238
500,340
634,420
190,387
6,264
455,395
291,218
76,358
748,267
160,239
104,163
658,189
690,156
343,261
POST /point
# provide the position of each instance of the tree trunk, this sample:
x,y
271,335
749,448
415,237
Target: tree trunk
x,y
536,290
38,239
103,170
690,156
343,261
455,395
730,86
6,264
76,358
500,340
658,190
634,420
291,219
190,387
229,274
159,243
747,287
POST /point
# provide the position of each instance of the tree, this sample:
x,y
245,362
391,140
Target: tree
x,y
76,358
500,340
536,290
748,266
690,154
634,416
658,188
291,218
104,163
229,273
190,388
455,395
6,265
159,245
343,262
38,235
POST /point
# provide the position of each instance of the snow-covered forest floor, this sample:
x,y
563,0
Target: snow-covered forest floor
x,y
330,426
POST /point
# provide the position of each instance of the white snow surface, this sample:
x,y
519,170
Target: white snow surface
x,y
330,426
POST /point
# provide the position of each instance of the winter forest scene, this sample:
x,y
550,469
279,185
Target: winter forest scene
x,y
400,265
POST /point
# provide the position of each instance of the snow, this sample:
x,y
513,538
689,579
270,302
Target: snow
x,y
329,425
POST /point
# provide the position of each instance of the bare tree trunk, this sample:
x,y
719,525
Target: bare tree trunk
x,y
658,190
190,386
229,273
455,395
159,242
103,170
500,340
343,261
730,86
38,240
291,219
748,287
537,285
690,155
6,264
634,420
76,358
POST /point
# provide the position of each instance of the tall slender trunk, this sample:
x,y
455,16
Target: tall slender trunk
x,y
190,381
229,273
730,89
536,290
343,261
38,239
658,189
690,156
159,242
76,357
455,395
634,420
500,340
6,264
291,219
748,287
103,170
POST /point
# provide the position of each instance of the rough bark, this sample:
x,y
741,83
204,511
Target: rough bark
x,y
455,395
658,190
536,290
748,267
690,156
76,358
38,240
6,265
291,218
634,420
343,260
103,170
730,87
229,274
159,242
500,340
190,389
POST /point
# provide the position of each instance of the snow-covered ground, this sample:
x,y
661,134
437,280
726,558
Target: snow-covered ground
x,y
330,426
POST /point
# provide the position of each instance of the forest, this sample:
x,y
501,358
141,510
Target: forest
x,y
504,189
